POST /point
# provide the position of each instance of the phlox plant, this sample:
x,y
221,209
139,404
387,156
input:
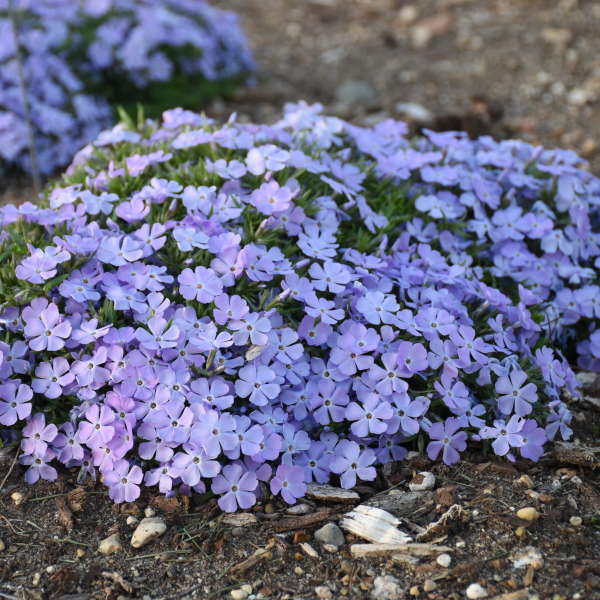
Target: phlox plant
x,y
83,58
239,308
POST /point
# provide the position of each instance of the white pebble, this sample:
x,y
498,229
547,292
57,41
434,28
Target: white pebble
x,y
475,591
444,560
576,521
132,521
110,545
148,530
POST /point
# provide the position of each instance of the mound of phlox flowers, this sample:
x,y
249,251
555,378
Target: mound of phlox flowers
x,y
201,307
80,58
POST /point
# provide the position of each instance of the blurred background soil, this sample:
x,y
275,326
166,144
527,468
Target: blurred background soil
x,y
510,68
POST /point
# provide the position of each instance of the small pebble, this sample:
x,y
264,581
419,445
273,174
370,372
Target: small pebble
x,y
330,548
414,590
461,544
149,512
269,509
475,591
299,570
2,546
80,553
50,569
17,498
110,545
132,521
444,560
330,534
424,480
238,594
36,579
299,509
520,531
525,481
387,587
429,585
323,592
529,513
576,521
309,550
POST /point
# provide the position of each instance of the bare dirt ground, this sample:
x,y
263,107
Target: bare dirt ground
x,y
525,68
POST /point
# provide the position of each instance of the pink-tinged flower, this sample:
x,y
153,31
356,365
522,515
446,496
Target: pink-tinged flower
x,y
289,482
51,378
377,307
36,268
123,482
350,462
237,486
201,284
160,336
15,402
39,467
252,327
37,435
98,427
46,330
257,384
118,251
448,439
514,395
370,417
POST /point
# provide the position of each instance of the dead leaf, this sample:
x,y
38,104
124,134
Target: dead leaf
x,y
118,578
65,516
76,498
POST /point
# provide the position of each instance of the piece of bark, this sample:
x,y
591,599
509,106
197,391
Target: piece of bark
x,y
258,556
580,456
416,549
375,525
328,493
454,514
65,516
291,523
401,504
239,519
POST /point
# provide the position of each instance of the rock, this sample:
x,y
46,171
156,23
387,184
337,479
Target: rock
x,y
578,97
110,545
525,557
375,525
429,585
576,521
330,533
309,550
80,553
529,513
2,546
132,521
241,593
323,592
400,503
328,493
299,509
386,587
525,481
475,591
149,529
423,481
149,512
239,519
17,498
444,560
356,92
414,112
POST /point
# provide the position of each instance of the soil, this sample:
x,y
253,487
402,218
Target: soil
x,y
504,67
51,532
